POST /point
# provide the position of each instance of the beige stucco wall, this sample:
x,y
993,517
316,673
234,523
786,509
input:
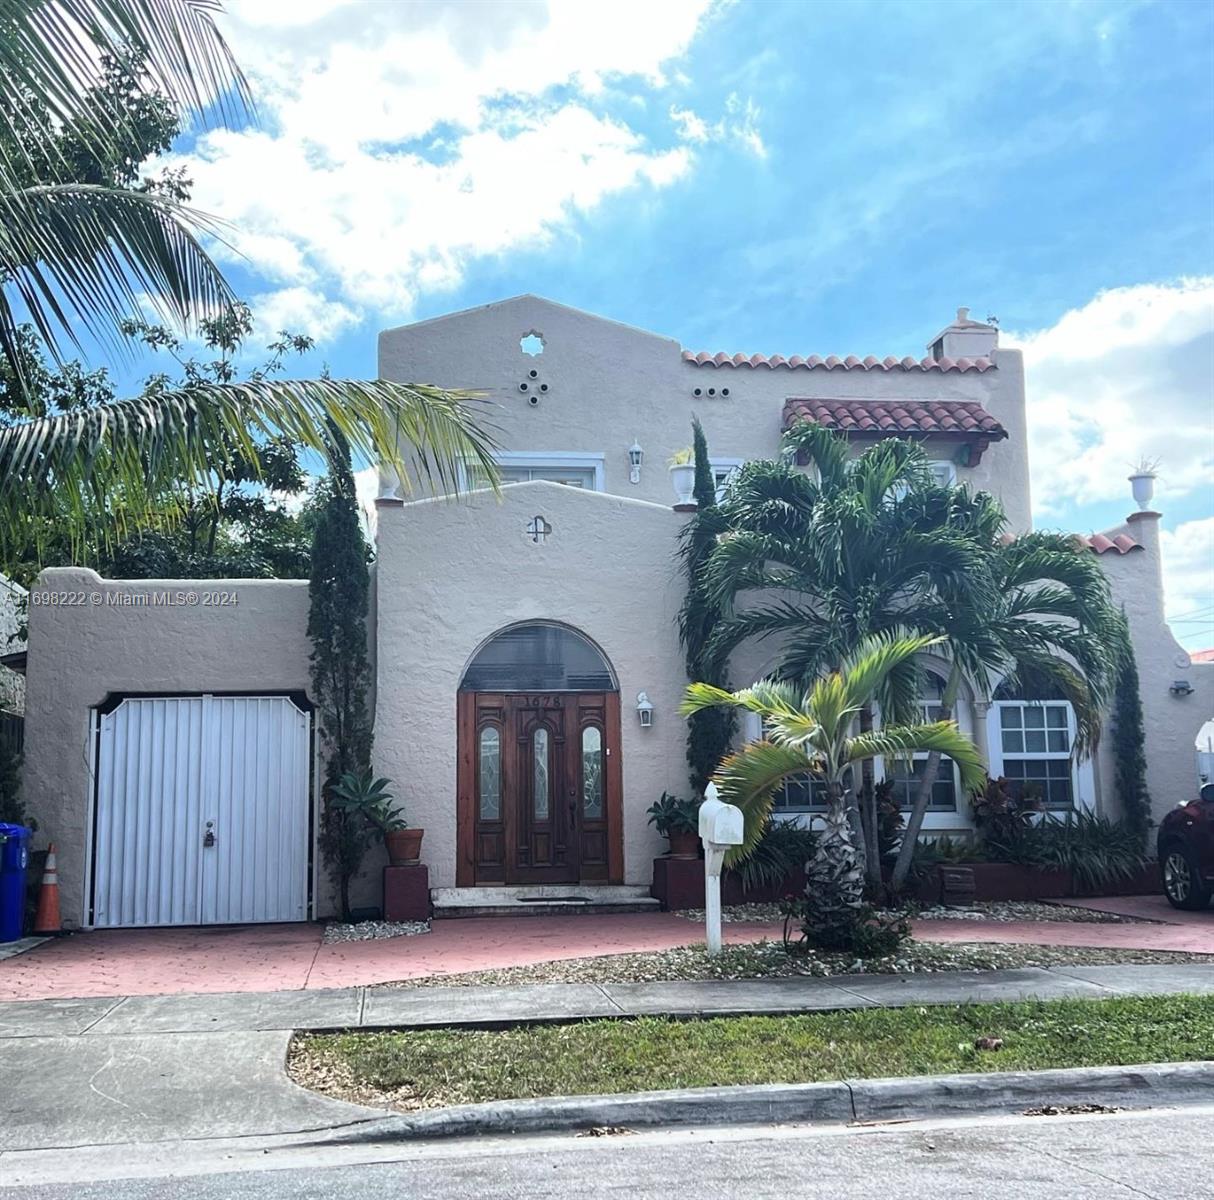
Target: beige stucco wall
x,y
80,655
610,384
1170,722
452,573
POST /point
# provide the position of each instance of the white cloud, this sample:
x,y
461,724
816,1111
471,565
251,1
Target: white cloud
x,y
739,123
1126,376
400,142
1188,564
300,310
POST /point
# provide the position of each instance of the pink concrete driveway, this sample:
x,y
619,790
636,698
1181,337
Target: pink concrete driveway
x,y
259,958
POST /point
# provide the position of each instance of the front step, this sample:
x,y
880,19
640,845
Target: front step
x,y
541,900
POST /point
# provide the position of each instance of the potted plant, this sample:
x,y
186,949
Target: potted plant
x,y
678,820
370,799
683,475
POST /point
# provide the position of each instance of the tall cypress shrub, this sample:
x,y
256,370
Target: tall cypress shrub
x,y
710,732
1129,747
338,591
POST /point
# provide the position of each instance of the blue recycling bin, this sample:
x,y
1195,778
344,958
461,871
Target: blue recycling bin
x,y
14,858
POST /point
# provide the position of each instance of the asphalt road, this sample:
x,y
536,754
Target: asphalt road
x,y
1124,1155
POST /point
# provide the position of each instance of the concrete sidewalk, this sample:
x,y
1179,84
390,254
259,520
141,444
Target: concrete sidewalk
x,y
480,1007
104,1071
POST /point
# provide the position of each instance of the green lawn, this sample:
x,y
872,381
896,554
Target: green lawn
x,y
441,1067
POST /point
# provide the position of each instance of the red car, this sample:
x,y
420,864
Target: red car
x,y
1186,852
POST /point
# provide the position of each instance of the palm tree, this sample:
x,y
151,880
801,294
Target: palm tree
x,y
1044,622
813,730
74,254
819,562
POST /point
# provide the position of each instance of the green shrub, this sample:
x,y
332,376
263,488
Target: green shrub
x,y
671,814
1000,812
781,849
931,853
1095,851
865,932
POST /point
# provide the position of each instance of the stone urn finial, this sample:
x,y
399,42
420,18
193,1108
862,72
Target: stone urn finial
x,y
1142,482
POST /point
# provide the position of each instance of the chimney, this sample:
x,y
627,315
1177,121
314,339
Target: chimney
x,y
964,338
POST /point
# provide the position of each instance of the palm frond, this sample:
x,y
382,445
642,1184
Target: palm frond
x,y
750,779
943,736
822,448
89,253
49,54
866,669
160,444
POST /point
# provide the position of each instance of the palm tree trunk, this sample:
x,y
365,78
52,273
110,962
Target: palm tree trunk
x,y
834,888
931,768
869,843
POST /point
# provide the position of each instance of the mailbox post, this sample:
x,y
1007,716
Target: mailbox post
x,y
720,828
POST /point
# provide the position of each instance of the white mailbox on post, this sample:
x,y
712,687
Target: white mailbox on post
x,y
720,828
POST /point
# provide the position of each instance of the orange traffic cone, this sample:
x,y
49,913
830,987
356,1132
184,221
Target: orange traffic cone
x,y
46,920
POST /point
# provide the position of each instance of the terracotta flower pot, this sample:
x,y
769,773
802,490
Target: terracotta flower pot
x,y
404,846
684,845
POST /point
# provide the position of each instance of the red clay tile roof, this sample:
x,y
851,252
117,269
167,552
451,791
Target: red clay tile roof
x,y
963,418
834,363
1103,544
1202,656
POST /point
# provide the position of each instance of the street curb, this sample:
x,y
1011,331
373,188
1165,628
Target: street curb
x,y
1154,1085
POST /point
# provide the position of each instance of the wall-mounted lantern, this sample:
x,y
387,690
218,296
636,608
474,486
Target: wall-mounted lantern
x,y
635,456
644,710
1181,687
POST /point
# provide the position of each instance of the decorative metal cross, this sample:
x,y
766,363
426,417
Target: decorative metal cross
x,y
538,529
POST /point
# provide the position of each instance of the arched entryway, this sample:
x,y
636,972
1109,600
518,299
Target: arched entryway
x,y
538,769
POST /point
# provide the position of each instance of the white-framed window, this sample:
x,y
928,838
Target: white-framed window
x,y
943,473
906,776
1032,745
798,793
1035,742
575,469
723,471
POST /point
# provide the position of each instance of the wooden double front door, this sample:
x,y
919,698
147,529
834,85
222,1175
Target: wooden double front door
x,y
539,794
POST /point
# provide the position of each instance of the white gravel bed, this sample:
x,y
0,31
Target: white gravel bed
x,y
364,931
740,914
768,960
986,910
1024,910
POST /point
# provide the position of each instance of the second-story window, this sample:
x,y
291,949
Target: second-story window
x,y
573,476
723,471
584,470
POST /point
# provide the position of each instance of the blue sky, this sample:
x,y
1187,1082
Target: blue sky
x,y
776,177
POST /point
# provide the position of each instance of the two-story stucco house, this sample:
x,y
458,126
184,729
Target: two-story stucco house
x,y
527,664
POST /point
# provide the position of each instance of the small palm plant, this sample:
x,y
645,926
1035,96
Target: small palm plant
x,y
370,799
814,731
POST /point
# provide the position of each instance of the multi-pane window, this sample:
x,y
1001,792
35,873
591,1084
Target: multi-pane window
x,y
906,776
1036,741
801,793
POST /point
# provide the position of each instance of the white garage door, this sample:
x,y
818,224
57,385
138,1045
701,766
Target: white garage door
x,y
201,812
